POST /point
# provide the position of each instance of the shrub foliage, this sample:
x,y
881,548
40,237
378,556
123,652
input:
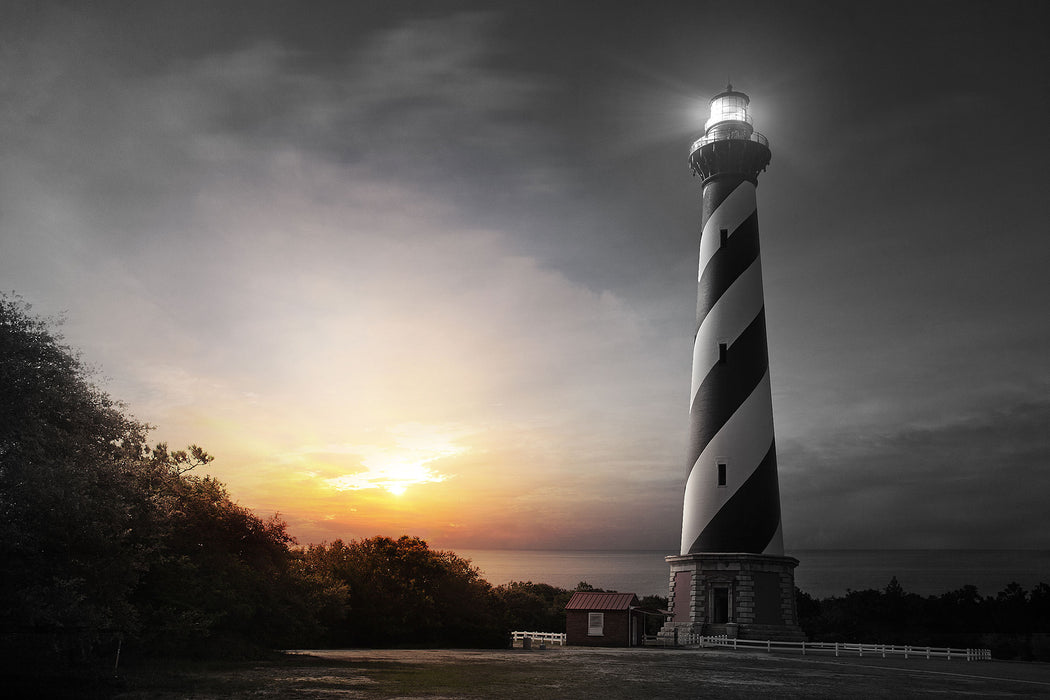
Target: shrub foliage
x,y
109,543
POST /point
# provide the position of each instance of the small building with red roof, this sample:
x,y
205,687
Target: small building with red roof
x,y
604,620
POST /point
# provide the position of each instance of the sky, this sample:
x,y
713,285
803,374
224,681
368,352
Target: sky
x,y
429,268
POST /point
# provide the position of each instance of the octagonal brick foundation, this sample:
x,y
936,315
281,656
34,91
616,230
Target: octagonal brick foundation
x,y
748,596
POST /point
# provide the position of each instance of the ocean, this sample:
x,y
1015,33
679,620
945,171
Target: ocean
x,y
821,572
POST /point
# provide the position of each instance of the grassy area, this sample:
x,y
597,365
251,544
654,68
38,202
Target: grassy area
x,y
307,676
595,674
158,678
269,677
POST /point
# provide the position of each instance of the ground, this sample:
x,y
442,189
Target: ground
x,y
604,674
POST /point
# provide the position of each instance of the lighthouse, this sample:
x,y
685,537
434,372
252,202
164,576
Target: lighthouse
x,y
731,575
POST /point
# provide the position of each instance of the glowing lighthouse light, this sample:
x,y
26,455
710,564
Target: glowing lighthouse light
x,y
729,121
728,106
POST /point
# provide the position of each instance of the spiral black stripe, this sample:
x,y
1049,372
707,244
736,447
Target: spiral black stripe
x,y
750,518
728,385
718,190
727,265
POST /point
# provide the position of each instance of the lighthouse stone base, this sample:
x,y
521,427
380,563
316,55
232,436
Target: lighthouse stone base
x,y
746,596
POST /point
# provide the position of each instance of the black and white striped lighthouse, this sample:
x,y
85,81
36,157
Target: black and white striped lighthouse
x,y
731,575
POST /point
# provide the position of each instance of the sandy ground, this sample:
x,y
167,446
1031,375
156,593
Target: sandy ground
x,y
606,674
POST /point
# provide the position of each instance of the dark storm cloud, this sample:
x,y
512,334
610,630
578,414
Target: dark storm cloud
x,y
977,481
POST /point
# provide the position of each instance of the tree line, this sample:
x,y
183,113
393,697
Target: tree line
x,y
1014,624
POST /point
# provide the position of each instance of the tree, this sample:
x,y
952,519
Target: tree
x,y
402,592
222,577
66,502
533,607
106,540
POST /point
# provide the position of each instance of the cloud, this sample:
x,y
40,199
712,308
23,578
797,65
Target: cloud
x,y
970,482
275,255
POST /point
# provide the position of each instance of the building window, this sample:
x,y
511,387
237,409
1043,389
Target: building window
x,y
723,353
595,624
721,474
723,237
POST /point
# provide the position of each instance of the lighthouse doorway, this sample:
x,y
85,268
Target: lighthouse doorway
x,y
720,605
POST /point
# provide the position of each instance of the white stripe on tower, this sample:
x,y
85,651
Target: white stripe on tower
x,y
746,437
731,315
735,507
732,212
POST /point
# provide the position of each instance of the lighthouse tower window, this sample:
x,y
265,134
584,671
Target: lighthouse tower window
x,y
721,474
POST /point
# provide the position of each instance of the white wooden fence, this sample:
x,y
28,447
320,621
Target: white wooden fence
x,y
836,648
544,637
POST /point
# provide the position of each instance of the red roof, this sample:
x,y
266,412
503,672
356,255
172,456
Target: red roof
x,y
585,600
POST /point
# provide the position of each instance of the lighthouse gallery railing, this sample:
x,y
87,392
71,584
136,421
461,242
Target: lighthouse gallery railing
x,y
734,135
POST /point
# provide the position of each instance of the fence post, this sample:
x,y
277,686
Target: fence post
x,y
836,648
927,652
803,647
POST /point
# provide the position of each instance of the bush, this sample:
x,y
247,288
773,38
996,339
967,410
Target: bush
x,y
106,541
400,592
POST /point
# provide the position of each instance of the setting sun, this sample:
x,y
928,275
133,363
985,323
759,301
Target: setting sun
x,y
395,477
404,464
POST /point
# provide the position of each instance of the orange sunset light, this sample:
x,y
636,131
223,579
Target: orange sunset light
x,y
403,459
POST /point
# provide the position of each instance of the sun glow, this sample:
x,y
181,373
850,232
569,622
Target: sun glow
x,y
407,463
395,476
